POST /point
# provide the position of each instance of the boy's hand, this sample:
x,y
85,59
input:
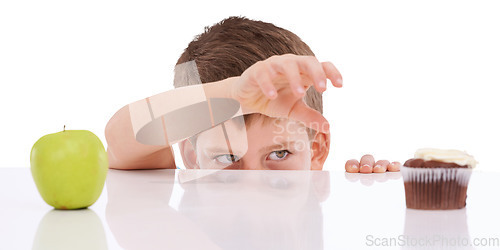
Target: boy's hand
x,y
275,87
368,165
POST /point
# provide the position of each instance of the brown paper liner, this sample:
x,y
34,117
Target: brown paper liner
x,y
436,189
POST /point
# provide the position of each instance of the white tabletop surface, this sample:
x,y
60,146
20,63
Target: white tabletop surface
x,y
233,209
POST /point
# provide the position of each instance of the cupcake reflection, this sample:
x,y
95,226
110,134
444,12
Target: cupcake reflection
x,y
439,229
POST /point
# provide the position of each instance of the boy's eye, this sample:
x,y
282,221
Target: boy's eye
x,y
227,158
278,155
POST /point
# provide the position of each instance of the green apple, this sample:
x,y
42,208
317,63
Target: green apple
x,y
69,168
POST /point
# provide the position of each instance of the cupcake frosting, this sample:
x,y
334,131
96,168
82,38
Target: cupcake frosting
x,y
446,155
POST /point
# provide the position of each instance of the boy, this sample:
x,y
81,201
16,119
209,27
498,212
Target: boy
x,y
269,71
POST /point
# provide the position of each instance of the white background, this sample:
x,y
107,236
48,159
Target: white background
x,y
419,74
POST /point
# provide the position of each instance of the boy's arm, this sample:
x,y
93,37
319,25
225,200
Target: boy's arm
x,y
273,87
124,152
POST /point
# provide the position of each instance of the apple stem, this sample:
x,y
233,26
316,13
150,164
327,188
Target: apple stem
x,y
64,128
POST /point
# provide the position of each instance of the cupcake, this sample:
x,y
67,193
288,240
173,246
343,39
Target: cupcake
x,y
437,179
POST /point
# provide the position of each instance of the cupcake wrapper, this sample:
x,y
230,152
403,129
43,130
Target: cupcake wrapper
x,y
436,188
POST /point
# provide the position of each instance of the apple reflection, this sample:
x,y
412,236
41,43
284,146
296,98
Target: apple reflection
x,y
227,209
70,229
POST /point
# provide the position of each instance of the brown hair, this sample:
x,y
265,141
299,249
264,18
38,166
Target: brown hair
x,y
229,47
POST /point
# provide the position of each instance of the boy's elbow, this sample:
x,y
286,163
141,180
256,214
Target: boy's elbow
x,y
116,133
118,124
114,162
161,159
124,152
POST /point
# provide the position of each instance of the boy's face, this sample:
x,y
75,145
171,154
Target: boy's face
x,y
267,143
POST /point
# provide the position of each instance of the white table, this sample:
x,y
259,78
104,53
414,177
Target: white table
x,y
163,209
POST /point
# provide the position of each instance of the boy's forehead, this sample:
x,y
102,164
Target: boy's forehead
x,y
238,129
276,125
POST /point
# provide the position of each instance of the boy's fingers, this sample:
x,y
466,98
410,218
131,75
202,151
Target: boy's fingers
x,y
380,166
367,160
365,169
394,166
366,164
352,166
333,74
291,71
310,66
261,76
310,117
264,80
